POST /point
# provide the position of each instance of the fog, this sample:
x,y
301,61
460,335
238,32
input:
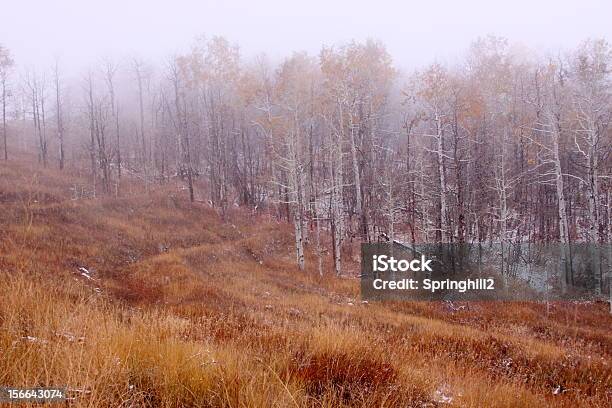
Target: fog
x,y
81,32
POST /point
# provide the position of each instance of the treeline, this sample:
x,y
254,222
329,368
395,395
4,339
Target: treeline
x,y
503,147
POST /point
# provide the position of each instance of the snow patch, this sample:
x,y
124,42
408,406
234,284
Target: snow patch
x,y
443,395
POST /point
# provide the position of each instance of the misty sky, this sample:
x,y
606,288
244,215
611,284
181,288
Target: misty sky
x,y
415,32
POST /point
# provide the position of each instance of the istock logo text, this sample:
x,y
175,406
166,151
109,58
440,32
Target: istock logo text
x,y
384,263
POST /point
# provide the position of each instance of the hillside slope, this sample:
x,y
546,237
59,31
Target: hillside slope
x,y
149,300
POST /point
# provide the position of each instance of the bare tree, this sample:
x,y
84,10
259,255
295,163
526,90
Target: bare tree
x,y
6,63
91,110
58,113
110,70
36,86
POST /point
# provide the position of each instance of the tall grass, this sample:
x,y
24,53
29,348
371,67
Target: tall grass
x,y
180,308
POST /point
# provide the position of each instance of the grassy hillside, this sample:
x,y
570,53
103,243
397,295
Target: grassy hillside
x,y
148,300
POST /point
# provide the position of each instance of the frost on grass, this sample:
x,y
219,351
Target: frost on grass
x,y
443,395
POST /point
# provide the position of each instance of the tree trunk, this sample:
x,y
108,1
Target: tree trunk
x,y
562,210
442,178
60,129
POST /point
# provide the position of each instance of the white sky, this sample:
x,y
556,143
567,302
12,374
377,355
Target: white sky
x,y
415,32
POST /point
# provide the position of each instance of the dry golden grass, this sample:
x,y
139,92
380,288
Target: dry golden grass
x,y
187,310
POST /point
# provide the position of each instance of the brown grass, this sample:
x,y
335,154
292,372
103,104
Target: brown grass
x,y
185,309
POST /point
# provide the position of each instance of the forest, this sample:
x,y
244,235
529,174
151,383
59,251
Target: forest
x,y
504,146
